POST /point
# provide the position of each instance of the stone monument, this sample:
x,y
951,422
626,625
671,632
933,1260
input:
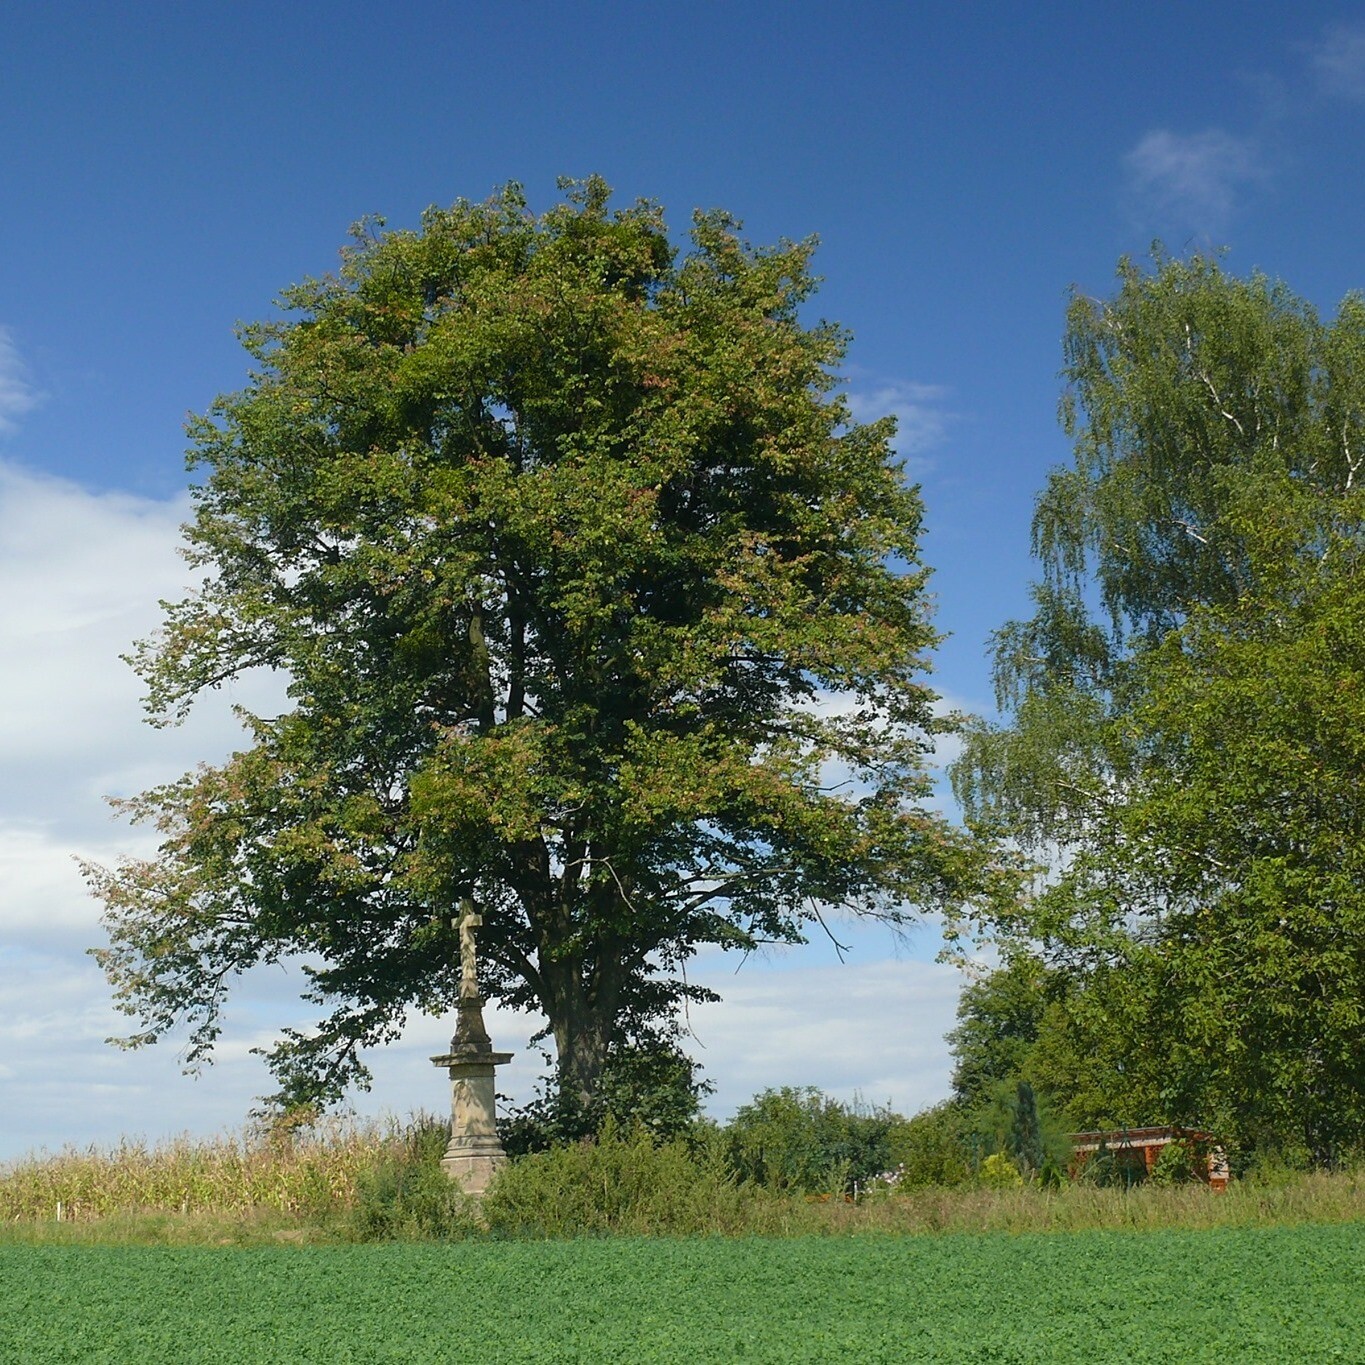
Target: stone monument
x,y
474,1152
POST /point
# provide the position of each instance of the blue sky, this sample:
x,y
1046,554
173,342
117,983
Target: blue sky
x,y
167,169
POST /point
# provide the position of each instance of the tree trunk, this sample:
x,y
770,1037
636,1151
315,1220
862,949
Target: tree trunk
x,y
582,1019
582,1047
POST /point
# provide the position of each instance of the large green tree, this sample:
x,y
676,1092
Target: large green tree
x,y
999,1016
1184,734
561,537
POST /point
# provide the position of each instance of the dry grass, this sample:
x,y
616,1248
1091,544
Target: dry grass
x,y
1315,1198
253,1228
298,1174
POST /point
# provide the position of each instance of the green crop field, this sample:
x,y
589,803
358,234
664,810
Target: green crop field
x,y
1264,1294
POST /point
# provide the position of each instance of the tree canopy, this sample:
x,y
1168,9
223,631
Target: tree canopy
x,y
596,607
1184,732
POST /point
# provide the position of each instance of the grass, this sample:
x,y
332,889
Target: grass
x,y
248,1249
1244,1294
366,1182
1321,1198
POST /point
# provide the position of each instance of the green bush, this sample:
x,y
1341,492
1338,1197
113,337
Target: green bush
x,y
798,1139
1012,1120
998,1172
931,1148
406,1196
623,1181
654,1084
1178,1163
1275,1168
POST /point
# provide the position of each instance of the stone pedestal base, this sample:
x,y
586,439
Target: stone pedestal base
x,y
473,1169
475,1151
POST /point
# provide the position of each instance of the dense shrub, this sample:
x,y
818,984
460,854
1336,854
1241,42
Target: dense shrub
x,y
1013,1120
998,1172
405,1195
799,1139
622,1181
1178,1163
932,1148
656,1086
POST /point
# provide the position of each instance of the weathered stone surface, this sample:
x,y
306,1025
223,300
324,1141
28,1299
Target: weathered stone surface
x,y
475,1152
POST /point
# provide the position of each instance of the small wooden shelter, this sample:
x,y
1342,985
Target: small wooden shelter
x,y
1136,1150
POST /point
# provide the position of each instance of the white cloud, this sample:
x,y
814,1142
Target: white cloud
x,y
873,1029
1191,180
1337,59
17,394
80,577
921,419
45,901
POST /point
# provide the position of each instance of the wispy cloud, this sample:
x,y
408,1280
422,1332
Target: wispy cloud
x,y
1192,180
921,418
874,1031
17,394
1337,59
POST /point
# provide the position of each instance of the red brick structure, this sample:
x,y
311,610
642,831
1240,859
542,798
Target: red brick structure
x,y
1139,1148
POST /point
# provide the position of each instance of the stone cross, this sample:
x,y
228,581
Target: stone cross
x,y
475,1150
469,978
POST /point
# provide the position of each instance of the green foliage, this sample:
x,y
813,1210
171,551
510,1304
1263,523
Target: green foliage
x,y
1178,1163
555,532
406,1196
998,1172
1184,737
998,1019
621,1181
932,1148
656,1087
1281,1294
795,1138
1025,1140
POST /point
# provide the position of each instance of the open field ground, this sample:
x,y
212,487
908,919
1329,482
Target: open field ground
x,y
1261,1294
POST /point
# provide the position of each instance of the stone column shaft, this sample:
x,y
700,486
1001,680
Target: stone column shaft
x,y
475,1150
